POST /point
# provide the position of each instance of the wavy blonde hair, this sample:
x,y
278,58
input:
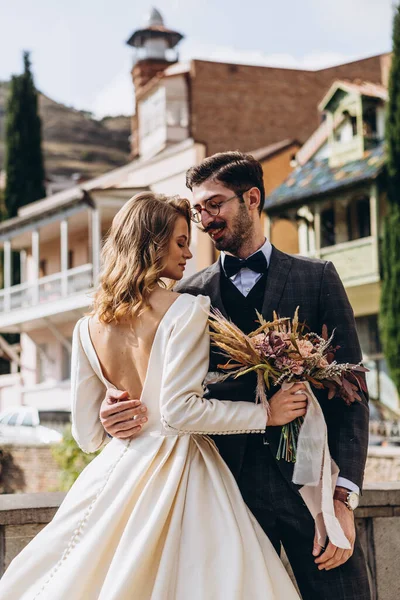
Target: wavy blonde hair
x,y
135,253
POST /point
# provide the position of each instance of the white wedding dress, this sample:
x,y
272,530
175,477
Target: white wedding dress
x,y
159,517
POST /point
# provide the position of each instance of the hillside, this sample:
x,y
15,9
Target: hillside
x,y
74,142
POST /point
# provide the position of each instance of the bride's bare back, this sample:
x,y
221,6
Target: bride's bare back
x,y
123,349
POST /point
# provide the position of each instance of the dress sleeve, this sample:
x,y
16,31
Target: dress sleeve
x,y
87,394
183,407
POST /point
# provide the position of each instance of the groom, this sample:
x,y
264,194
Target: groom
x,y
228,196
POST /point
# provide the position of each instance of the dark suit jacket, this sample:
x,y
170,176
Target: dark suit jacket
x,y
316,288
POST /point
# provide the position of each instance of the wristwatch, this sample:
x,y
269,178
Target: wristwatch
x,y
350,499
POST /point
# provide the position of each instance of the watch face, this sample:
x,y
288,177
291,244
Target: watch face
x,y
352,500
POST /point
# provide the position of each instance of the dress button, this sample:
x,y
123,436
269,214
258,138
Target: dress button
x,y
247,289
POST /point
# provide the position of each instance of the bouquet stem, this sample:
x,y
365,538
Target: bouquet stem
x,y
287,448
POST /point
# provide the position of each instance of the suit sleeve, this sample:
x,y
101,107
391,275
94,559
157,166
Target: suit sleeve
x,y
182,404
348,426
87,394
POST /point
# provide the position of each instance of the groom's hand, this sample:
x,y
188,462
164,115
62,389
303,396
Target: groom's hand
x,y
287,405
333,556
120,416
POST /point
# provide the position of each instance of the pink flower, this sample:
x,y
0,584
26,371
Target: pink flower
x,y
306,348
297,368
284,362
273,344
258,340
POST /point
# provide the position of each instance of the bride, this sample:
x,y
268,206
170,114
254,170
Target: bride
x,y
163,518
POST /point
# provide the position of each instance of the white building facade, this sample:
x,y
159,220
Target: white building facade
x,y
59,240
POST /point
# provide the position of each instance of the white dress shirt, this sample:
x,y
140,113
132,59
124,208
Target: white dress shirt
x,y
245,280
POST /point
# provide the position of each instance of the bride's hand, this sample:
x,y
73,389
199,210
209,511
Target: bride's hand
x,y
120,416
287,405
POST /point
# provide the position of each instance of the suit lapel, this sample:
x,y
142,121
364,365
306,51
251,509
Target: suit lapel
x,y
278,271
212,287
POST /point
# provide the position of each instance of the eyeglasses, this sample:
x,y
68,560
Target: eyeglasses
x,y
212,207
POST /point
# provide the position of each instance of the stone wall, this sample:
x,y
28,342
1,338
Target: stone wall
x,y
33,468
28,469
22,516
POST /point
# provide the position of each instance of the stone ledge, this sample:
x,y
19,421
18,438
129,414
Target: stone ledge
x,y
381,494
22,516
378,499
17,509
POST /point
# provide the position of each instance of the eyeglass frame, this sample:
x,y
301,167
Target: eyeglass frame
x,y
196,214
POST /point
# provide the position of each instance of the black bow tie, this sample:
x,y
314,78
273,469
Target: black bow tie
x,y
257,262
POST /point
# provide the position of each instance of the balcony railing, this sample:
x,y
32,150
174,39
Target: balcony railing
x,y
355,261
47,289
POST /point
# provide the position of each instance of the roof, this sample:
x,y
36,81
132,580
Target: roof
x,y
154,17
363,88
77,198
317,178
317,140
367,88
268,151
154,25
179,68
128,177
321,134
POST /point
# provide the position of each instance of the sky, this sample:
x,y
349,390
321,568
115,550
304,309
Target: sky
x,y
80,57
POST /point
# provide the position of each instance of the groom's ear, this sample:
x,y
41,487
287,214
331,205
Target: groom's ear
x,y
254,197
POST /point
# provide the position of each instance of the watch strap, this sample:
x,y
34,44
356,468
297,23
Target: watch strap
x,y
341,495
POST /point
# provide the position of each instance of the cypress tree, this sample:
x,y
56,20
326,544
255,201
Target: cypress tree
x,y
24,159
390,302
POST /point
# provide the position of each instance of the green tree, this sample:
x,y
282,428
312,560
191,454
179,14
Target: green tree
x,y
390,302
24,159
71,459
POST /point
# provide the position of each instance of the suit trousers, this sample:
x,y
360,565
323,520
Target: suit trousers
x,y
285,518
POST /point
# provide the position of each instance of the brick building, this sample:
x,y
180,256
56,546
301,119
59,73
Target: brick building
x,y
226,106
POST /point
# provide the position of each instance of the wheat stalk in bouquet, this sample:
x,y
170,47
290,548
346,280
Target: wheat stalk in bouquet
x,y
281,351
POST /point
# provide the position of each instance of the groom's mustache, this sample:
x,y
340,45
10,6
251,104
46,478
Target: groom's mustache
x,y
213,225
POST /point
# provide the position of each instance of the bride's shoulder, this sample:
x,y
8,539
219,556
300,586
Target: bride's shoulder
x,y
198,302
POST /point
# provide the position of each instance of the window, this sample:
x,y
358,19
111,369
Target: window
x,y
5,418
363,218
370,122
13,419
327,227
368,334
27,420
177,114
152,113
348,128
358,218
70,259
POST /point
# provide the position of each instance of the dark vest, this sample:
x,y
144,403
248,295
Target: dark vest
x,y
242,309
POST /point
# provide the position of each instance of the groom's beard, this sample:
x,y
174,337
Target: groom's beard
x,y
240,231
